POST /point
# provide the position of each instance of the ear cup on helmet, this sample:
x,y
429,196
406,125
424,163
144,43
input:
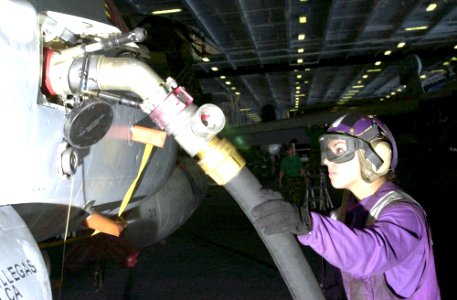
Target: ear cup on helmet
x,y
368,170
384,150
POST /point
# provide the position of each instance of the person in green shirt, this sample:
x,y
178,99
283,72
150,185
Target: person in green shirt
x,y
292,177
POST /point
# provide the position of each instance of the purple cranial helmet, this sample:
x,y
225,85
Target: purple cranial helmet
x,y
357,132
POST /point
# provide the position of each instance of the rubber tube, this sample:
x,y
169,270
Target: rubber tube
x,y
284,248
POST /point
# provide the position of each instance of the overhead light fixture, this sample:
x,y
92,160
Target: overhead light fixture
x,y
215,69
455,47
233,88
374,70
423,76
298,76
222,77
237,93
388,52
303,19
377,63
167,11
365,76
431,7
358,86
301,36
401,45
205,59
301,50
416,28
300,61
228,83
245,109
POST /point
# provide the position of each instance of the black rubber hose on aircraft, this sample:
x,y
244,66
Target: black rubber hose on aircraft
x,y
284,248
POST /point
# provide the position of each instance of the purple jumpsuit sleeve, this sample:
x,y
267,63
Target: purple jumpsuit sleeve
x,y
393,239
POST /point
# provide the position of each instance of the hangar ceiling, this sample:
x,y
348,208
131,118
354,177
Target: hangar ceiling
x,y
296,56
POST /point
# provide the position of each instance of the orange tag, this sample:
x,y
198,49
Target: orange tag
x,y
103,224
148,135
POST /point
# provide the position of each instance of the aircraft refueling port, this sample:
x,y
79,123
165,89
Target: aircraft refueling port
x,y
88,123
67,160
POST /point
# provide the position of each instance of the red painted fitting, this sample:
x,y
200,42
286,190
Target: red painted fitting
x,y
46,87
167,111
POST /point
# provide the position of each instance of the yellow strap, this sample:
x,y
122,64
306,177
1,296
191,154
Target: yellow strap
x,y
128,195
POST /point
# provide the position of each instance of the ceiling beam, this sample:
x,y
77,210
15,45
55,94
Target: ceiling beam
x,y
444,51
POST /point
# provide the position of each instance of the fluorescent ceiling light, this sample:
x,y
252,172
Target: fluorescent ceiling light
x,y
301,36
167,11
245,109
215,69
416,28
377,63
299,61
205,59
222,77
401,45
374,70
358,86
303,19
431,7
388,52
228,83
301,50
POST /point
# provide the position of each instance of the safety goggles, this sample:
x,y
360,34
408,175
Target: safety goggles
x,y
339,148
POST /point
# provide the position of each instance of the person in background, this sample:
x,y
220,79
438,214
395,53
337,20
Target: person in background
x,y
292,176
383,247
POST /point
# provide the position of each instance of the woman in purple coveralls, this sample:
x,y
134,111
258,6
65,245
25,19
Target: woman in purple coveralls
x,y
384,251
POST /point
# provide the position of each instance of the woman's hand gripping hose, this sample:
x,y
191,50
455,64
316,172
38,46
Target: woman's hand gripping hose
x,y
279,216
